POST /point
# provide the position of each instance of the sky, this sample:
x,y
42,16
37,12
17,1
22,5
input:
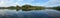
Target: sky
x,y
46,3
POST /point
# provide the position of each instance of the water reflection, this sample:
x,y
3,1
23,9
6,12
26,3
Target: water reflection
x,y
58,10
31,10
47,13
26,10
17,9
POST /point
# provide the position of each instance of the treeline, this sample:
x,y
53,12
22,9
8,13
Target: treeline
x,y
11,7
29,7
56,8
24,7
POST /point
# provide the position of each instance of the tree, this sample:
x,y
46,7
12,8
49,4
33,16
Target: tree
x,y
57,8
11,7
26,6
17,7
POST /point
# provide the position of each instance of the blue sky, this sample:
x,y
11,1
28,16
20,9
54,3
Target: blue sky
x,y
46,3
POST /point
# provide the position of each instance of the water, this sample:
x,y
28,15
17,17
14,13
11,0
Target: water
x,y
47,13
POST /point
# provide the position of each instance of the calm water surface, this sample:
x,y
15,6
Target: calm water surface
x,y
47,13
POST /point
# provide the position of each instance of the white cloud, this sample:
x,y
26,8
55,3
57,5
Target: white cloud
x,y
28,0
23,2
5,3
37,4
53,3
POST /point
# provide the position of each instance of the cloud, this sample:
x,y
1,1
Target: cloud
x,y
3,2
53,3
28,0
6,3
36,4
25,2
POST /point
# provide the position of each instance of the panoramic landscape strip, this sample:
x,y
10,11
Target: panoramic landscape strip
x,y
30,7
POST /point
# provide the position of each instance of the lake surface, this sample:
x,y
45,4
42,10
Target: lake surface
x,y
47,13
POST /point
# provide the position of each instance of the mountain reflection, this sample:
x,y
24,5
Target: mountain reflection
x,y
26,10
58,10
17,9
10,13
30,10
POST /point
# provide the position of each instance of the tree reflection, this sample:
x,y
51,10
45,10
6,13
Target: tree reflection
x,y
17,9
26,10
